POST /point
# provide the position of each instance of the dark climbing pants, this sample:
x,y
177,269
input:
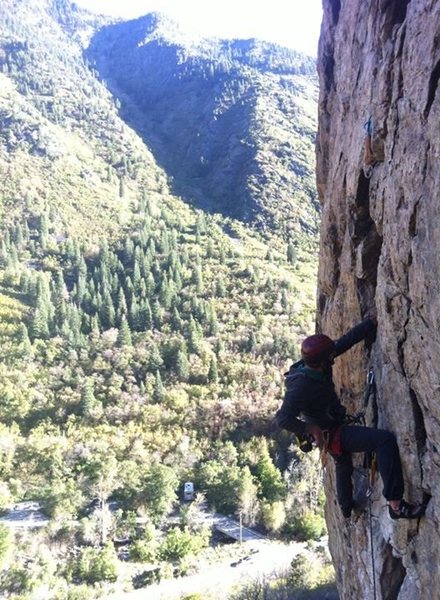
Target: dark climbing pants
x,y
367,439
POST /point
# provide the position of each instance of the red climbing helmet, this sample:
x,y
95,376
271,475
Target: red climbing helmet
x,y
317,348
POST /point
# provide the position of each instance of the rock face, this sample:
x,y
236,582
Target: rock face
x,y
380,243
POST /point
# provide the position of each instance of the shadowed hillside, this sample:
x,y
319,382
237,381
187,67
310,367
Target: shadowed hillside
x,y
232,122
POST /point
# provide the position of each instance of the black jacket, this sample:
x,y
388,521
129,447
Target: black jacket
x,y
312,394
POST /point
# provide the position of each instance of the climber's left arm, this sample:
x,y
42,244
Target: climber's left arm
x,y
356,334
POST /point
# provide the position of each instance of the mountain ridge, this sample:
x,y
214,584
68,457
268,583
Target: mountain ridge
x,y
208,112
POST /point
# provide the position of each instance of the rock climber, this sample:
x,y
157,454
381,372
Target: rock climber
x,y
310,393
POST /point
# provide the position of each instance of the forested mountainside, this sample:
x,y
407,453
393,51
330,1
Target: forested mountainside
x,y
143,340
232,122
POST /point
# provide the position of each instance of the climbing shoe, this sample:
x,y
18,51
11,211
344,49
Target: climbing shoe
x,y
407,511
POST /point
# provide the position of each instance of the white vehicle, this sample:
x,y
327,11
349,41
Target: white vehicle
x,y
188,491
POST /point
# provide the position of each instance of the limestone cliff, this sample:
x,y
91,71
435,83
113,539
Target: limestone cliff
x,y
380,244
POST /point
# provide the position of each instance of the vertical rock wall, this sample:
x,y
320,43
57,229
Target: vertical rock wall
x,y
380,251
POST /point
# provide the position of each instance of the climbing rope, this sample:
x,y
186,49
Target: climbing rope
x,y
370,460
373,566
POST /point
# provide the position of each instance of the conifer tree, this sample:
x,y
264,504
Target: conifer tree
x,y
124,335
81,281
219,347
133,315
44,231
24,282
155,361
210,248
128,251
194,336
150,285
74,322
59,297
88,400
3,252
40,320
26,232
137,277
158,390
23,339
145,316
157,314
291,253
164,242
212,320
220,287
165,293
122,187
182,363
122,304
251,343
213,371
107,312
176,321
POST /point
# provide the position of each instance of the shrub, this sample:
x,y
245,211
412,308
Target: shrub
x,y
97,564
309,526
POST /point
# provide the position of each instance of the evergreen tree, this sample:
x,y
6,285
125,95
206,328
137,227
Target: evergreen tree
x,y
194,336
59,297
212,320
150,285
284,300
291,253
74,324
137,277
176,321
24,282
122,187
23,339
219,347
81,281
182,363
122,304
157,314
88,400
251,343
145,316
44,231
134,316
3,252
220,287
213,371
128,251
26,232
107,312
124,335
158,390
155,361
40,325
165,293
210,252
197,278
